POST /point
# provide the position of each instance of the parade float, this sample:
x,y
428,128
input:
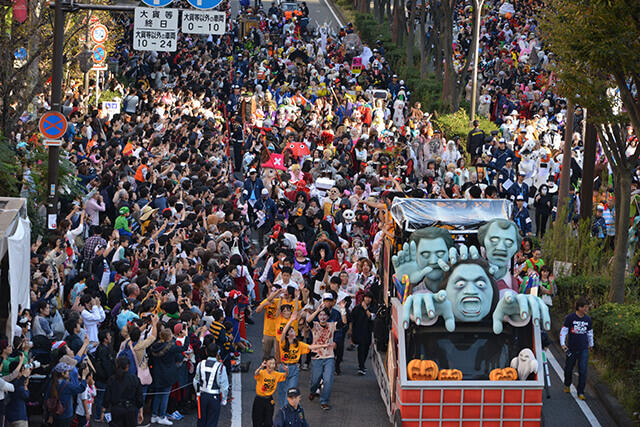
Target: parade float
x,y
463,347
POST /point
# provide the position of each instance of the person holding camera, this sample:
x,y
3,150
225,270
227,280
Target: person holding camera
x,y
16,409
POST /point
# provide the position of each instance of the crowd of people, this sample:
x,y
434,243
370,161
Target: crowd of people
x,y
249,175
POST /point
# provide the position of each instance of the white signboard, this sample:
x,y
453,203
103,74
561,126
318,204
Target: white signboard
x,y
155,29
198,22
111,108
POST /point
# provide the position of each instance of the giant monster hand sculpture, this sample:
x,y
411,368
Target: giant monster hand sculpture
x,y
519,309
433,305
406,263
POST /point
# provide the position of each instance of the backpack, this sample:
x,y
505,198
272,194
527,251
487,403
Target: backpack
x,y
54,405
133,366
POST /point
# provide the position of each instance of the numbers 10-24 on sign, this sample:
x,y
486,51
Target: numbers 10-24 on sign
x,y
155,29
195,22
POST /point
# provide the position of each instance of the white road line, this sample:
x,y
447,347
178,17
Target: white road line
x,y
236,403
581,403
340,24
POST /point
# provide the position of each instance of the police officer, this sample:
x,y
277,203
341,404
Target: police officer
x,y
521,216
212,385
291,414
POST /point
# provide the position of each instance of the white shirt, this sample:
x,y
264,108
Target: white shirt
x,y
91,321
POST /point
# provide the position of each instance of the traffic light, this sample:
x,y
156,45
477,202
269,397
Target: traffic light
x,y
85,58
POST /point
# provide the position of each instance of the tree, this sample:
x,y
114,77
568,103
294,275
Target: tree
x,y
21,81
596,46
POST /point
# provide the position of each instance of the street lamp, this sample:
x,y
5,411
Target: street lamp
x,y
477,11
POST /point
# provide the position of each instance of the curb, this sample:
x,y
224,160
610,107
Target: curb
x,y
333,5
603,392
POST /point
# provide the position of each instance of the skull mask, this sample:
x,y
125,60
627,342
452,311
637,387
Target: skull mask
x,y
348,216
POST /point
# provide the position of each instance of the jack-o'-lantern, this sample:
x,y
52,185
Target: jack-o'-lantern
x,y
506,374
450,375
422,370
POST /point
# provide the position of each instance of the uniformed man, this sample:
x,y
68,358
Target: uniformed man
x,y
292,413
212,385
521,216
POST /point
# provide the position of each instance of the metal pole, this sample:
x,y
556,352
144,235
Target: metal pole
x,y
477,4
97,87
56,105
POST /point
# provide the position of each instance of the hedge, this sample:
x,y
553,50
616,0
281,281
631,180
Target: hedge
x,y
594,288
617,333
457,124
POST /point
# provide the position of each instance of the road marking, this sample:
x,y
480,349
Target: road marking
x,y
333,13
581,403
236,403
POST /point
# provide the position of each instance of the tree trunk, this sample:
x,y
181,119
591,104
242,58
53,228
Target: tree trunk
x,y
449,78
623,195
565,173
411,35
588,169
422,41
395,26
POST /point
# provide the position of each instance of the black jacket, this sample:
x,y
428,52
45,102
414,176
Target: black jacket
x,y
124,392
104,362
362,325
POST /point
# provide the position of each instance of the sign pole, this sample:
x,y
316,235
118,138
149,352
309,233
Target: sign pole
x,y
97,87
56,105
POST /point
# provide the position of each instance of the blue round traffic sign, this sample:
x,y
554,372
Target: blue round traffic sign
x,y
99,54
53,125
157,3
204,4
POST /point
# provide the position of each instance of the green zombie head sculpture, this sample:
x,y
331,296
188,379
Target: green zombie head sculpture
x,y
470,288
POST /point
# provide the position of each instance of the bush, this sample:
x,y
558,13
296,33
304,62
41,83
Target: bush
x,y
570,243
458,124
617,333
616,330
569,288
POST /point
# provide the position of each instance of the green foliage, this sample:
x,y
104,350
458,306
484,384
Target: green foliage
x,y
591,40
564,242
617,339
9,169
107,95
457,124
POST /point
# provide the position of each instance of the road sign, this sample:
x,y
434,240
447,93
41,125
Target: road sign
x,y
99,33
52,142
20,53
99,54
100,67
53,125
155,29
195,22
157,3
204,4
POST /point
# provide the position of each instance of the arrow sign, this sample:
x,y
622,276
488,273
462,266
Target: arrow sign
x,y
99,54
53,125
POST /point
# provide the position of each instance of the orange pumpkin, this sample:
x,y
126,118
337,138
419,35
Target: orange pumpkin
x,y
422,370
450,375
506,374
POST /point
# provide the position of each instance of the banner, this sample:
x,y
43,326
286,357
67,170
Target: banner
x,y
19,245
